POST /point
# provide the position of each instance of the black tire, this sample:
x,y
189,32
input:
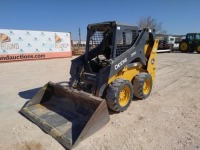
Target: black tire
x,y
114,98
191,48
184,47
142,85
198,49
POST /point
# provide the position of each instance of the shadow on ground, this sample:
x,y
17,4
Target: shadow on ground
x,y
29,93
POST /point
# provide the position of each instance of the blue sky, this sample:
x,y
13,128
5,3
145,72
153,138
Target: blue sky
x,y
177,16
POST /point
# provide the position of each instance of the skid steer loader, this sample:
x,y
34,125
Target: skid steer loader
x,y
119,63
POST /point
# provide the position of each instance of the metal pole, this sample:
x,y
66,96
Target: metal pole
x,y
79,37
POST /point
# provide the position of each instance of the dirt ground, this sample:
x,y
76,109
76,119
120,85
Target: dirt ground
x,y
168,119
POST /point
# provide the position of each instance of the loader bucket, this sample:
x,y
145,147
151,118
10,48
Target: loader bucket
x,y
68,115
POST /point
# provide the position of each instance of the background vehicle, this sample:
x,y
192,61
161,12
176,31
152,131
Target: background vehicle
x,y
119,62
191,43
176,43
165,43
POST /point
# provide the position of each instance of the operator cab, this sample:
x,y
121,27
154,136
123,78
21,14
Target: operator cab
x,y
106,41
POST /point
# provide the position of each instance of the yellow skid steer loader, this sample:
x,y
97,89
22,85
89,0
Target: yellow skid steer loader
x,y
119,63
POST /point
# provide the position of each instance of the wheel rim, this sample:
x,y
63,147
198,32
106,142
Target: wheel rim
x,y
124,96
146,86
184,47
198,49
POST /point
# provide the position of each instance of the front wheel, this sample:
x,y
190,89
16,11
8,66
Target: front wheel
x,y
198,48
119,95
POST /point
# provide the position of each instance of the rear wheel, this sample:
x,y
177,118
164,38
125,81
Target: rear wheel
x,y
119,95
184,47
198,48
142,85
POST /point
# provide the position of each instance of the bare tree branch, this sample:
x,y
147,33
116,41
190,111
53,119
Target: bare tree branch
x,y
149,22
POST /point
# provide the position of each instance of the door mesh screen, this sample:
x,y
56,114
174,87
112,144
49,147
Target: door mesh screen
x,y
96,39
126,41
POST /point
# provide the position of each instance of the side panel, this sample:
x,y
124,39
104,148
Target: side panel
x,y
131,70
135,52
126,73
124,66
151,67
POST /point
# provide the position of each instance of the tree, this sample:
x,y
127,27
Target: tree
x,y
149,22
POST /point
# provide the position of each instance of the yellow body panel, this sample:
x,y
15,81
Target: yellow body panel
x,y
151,66
126,73
129,73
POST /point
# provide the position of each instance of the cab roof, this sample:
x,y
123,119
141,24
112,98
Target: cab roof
x,y
112,22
